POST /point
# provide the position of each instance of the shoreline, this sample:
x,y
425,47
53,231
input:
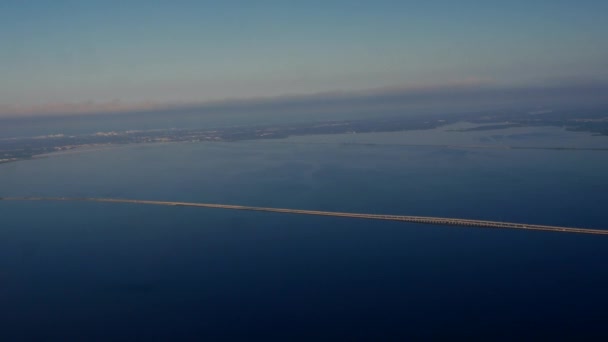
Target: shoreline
x,y
285,140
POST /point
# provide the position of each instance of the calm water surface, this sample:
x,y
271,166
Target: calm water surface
x,y
100,271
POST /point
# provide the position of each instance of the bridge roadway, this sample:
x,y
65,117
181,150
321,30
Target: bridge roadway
x,y
402,218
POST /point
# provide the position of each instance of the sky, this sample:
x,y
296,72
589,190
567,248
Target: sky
x,y
79,56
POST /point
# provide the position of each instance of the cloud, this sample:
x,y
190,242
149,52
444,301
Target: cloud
x,y
87,107
472,94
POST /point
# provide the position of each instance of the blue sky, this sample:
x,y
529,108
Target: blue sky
x,y
133,52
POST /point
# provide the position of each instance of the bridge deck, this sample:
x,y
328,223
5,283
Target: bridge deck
x,y
402,218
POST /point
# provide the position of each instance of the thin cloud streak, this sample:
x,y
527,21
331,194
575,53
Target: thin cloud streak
x,y
88,107
471,94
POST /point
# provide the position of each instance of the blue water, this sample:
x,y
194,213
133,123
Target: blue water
x,y
95,271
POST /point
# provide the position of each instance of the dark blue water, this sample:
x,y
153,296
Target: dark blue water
x,y
93,271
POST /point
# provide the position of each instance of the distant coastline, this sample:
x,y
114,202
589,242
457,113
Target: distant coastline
x,y
17,149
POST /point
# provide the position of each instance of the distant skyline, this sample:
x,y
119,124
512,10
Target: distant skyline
x,y
84,56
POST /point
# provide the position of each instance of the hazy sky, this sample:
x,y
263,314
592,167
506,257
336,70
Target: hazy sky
x,y
128,52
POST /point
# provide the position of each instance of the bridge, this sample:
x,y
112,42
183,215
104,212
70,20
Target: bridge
x,y
412,219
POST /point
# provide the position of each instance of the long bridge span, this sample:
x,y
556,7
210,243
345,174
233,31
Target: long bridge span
x,y
412,219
